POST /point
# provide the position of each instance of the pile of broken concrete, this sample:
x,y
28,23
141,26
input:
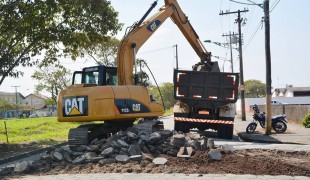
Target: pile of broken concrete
x,y
124,147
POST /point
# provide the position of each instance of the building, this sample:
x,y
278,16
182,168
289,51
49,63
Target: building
x,y
31,104
11,97
35,101
38,106
290,91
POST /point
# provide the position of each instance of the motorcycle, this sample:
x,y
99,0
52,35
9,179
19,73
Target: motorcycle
x,y
278,122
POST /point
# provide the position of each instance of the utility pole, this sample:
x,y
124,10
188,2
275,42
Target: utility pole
x,y
176,56
16,98
268,67
239,20
231,54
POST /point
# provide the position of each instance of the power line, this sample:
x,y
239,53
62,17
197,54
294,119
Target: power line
x,y
253,14
156,50
253,3
246,3
253,35
274,5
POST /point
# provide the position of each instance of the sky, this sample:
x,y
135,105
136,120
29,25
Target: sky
x,y
290,36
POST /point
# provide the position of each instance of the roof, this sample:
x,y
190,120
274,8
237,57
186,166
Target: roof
x,y
292,89
11,94
38,95
6,93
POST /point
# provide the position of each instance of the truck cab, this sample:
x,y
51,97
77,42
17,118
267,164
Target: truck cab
x,y
96,75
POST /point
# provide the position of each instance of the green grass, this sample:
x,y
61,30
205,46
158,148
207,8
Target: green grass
x,y
168,112
43,130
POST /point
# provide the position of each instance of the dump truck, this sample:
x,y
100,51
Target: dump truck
x,y
205,100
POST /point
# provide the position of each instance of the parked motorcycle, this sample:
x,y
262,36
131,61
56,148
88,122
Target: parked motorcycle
x,y
278,122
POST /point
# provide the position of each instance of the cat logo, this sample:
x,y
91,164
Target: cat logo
x,y
153,26
136,107
75,106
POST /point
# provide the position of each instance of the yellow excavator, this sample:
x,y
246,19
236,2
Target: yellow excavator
x,y
113,95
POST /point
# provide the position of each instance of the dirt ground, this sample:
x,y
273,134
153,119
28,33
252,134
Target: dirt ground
x,y
255,162
8,150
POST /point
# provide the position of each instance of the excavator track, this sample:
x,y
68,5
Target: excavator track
x,y
78,136
84,134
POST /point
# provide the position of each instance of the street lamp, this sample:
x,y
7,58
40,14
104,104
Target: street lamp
x,y
223,59
225,46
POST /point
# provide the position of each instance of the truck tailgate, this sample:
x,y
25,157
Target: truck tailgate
x,y
200,88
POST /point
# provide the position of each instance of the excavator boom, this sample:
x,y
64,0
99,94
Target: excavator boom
x,y
140,33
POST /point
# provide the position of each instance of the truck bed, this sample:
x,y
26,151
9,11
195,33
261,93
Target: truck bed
x,y
205,89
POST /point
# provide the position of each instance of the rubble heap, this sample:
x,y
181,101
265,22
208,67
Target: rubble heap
x,y
124,147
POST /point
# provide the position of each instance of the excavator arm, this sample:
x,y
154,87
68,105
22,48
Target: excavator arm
x,y
143,30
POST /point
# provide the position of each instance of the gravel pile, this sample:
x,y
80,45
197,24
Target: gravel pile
x,y
124,147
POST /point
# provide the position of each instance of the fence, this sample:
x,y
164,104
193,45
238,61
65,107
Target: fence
x,y
295,113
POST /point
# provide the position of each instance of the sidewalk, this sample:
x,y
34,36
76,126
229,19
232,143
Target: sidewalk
x,y
295,133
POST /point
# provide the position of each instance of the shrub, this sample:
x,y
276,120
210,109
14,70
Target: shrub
x,y
306,121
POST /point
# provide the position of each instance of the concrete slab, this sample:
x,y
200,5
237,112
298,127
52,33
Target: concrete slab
x,y
295,134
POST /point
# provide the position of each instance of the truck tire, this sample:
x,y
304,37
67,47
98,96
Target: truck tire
x,y
229,131
225,131
180,126
221,131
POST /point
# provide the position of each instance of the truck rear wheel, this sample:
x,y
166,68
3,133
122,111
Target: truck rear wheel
x,y
225,131
229,131
180,126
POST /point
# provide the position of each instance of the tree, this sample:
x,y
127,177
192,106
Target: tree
x,y
254,88
142,75
4,105
167,94
53,27
105,53
52,80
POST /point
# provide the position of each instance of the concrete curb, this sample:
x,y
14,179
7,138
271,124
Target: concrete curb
x,y
262,138
30,153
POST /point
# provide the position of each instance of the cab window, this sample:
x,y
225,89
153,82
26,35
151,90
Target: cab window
x,y
111,77
91,77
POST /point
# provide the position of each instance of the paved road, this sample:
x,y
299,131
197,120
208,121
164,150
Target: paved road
x,y
143,176
238,144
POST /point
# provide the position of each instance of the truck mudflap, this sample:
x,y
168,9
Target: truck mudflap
x,y
211,121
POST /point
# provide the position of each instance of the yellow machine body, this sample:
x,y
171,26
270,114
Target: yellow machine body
x,y
81,102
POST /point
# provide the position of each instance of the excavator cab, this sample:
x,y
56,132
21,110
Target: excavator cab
x,y
96,75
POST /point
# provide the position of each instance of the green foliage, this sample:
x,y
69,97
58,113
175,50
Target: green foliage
x,y
306,121
52,79
4,105
168,112
35,129
141,63
254,88
56,28
105,52
167,93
